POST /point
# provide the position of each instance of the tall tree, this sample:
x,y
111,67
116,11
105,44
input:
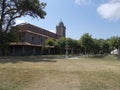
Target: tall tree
x,y
74,45
60,44
87,43
12,9
113,42
104,46
5,38
96,46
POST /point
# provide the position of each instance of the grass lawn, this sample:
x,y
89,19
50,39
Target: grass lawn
x,y
48,73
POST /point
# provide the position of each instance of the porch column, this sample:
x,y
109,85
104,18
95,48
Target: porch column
x,y
14,50
33,51
49,50
23,50
41,50
0,51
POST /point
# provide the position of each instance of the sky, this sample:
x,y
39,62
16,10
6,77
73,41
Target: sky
x,y
99,18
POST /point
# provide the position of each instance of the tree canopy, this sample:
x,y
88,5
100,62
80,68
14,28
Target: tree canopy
x,y
87,42
12,9
50,42
85,45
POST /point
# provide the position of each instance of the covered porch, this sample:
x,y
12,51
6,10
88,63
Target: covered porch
x,y
24,48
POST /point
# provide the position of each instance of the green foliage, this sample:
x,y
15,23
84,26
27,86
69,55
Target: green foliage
x,y
5,39
12,9
104,46
113,42
87,42
73,44
98,46
3,43
61,43
87,45
50,42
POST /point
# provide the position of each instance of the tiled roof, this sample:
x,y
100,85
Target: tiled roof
x,y
27,44
37,30
23,43
28,31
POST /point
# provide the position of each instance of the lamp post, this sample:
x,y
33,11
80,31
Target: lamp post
x,y
66,49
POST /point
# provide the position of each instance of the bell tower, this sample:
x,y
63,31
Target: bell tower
x,y
61,29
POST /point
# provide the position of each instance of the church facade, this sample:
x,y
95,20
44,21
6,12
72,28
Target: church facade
x,y
32,39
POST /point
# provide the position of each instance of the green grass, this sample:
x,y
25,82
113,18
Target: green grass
x,y
49,73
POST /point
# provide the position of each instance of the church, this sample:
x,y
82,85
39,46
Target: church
x,y
32,39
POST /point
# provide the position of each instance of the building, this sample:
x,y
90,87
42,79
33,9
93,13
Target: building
x,y
61,29
115,52
32,39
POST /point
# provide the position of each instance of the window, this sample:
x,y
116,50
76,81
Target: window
x,y
21,38
33,39
41,40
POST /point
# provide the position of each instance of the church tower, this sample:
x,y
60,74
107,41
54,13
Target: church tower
x,y
61,29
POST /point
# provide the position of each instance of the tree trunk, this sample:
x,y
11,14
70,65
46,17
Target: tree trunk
x,y
2,14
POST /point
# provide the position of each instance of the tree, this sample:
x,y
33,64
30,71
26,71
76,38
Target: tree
x,y
12,9
74,45
104,46
5,39
87,43
50,42
3,43
96,46
60,44
113,42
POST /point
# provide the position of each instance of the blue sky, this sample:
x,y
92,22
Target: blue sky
x,y
100,18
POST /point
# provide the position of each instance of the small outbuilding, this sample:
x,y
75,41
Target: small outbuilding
x,y
115,52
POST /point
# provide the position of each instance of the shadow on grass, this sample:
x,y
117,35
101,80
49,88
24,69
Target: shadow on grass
x,y
98,56
105,57
94,56
34,59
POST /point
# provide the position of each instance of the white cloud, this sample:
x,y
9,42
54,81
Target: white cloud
x,y
110,10
19,21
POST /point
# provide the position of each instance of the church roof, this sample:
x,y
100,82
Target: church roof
x,y
61,23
